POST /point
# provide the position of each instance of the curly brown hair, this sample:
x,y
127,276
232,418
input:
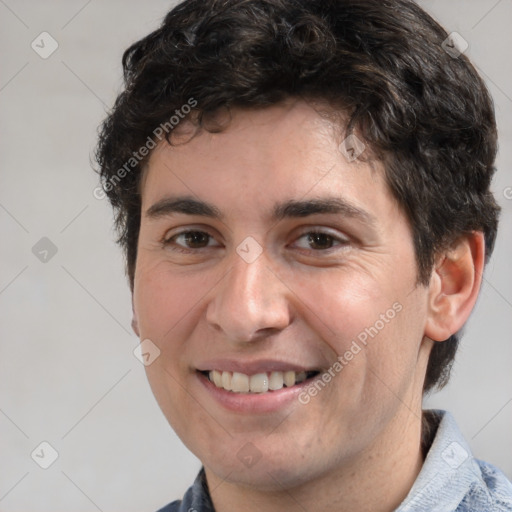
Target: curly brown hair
x,y
424,112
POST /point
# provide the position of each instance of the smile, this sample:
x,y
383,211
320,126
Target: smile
x,y
237,382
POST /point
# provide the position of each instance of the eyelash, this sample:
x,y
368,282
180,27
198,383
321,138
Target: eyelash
x,y
171,241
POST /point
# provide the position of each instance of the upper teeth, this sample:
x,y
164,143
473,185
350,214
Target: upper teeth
x,y
258,383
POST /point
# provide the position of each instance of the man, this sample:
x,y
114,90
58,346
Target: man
x,y
302,194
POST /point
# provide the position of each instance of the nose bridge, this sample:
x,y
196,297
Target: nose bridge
x,y
250,299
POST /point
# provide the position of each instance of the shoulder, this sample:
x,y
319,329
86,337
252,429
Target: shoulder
x,y
186,506
493,489
451,479
490,491
172,507
196,499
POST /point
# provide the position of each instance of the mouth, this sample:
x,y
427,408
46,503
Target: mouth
x,y
259,383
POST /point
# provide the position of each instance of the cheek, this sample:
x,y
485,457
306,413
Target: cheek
x,y
342,304
373,322
163,299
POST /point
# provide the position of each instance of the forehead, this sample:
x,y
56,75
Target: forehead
x,y
261,158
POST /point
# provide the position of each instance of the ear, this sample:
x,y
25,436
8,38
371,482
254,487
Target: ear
x,y
135,322
454,286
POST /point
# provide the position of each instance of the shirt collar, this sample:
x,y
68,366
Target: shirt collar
x,y
449,470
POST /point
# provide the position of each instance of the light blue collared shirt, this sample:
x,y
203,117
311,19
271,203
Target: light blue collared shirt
x,y
451,480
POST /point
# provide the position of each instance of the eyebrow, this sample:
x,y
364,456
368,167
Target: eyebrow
x,y
289,209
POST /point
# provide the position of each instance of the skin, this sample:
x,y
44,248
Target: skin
x,y
356,444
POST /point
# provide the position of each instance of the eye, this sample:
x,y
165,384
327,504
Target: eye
x,y
187,241
320,241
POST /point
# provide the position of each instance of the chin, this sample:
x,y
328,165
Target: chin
x,y
267,470
263,476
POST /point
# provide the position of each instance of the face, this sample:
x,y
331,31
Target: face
x,y
267,259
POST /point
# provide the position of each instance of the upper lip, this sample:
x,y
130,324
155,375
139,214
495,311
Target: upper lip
x,y
254,367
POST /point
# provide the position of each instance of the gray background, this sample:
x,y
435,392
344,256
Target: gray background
x,y
67,372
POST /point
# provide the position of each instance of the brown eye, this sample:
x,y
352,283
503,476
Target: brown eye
x,y
196,239
191,240
320,241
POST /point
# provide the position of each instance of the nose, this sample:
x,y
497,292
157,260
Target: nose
x,y
250,302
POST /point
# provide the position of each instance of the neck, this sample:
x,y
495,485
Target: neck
x,y
379,480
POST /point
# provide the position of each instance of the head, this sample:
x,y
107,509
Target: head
x,y
246,107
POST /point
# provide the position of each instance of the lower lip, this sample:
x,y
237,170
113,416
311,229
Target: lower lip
x,y
270,401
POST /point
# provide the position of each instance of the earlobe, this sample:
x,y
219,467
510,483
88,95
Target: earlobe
x,y
135,322
135,326
454,286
